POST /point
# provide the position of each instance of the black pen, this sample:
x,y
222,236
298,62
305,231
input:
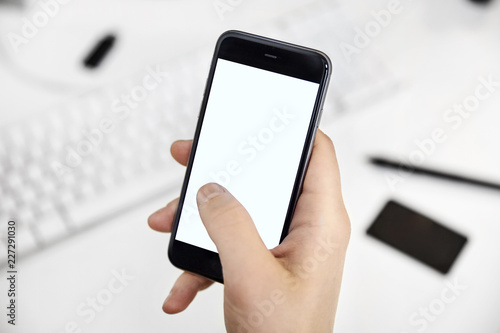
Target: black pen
x,y
382,162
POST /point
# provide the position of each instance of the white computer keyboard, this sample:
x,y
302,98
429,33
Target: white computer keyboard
x,y
84,161
98,154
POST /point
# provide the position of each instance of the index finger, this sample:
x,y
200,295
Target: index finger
x,y
180,151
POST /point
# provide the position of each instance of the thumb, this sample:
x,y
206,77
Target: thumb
x,y
241,250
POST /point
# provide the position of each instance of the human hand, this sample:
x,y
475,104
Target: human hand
x,y
291,288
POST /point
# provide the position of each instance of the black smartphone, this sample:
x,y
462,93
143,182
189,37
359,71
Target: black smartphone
x,y
417,236
255,132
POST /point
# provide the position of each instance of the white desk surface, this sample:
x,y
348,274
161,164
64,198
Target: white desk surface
x,y
438,51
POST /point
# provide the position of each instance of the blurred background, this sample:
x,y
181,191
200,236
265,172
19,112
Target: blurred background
x,y
92,94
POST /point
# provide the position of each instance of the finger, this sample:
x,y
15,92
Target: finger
x,y
323,175
180,151
320,210
321,188
184,291
241,250
162,219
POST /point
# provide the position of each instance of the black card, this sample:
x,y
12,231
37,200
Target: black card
x,y
418,236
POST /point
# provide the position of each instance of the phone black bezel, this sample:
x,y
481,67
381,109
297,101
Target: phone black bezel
x,y
275,56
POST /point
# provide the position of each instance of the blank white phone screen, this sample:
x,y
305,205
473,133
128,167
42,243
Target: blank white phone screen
x,y
251,142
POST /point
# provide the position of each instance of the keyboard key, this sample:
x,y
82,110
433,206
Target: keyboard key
x,y
24,217
64,199
45,206
8,205
33,172
87,190
28,197
26,241
46,187
51,227
37,131
16,161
